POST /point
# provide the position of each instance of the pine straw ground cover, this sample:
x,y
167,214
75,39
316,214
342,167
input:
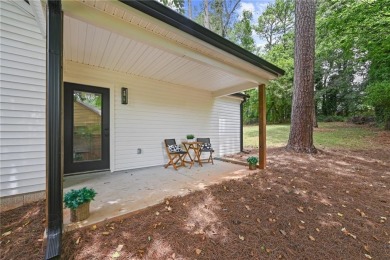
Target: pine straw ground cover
x,y
333,205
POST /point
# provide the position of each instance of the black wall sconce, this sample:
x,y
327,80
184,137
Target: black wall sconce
x,y
124,96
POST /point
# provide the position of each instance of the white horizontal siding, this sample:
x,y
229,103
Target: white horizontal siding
x,y
21,107
18,187
229,125
29,185
22,102
21,176
21,162
152,116
20,156
21,142
22,52
6,150
158,111
33,95
22,60
15,171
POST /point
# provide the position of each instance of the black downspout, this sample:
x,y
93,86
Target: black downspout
x,y
54,27
242,124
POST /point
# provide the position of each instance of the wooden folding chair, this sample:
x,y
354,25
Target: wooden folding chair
x,y
175,154
206,147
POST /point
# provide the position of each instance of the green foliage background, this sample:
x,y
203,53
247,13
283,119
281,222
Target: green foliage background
x,y
352,63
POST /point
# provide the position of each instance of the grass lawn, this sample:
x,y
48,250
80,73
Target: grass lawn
x,y
328,135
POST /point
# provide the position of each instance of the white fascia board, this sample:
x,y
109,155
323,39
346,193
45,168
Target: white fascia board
x,y
235,89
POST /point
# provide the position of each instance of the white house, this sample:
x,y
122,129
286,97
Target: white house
x,y
177,84
22,105
148,72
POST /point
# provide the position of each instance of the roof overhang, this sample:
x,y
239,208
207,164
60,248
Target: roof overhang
x,y
147,39
166,15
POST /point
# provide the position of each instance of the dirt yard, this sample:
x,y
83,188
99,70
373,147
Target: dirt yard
x,y
332,205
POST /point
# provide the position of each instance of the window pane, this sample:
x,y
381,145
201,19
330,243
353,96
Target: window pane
x,y
87,122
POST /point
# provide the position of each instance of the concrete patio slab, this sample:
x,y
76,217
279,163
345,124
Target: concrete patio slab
x,y
123,192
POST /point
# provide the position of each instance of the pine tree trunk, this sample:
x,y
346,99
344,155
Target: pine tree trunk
x,y
301,133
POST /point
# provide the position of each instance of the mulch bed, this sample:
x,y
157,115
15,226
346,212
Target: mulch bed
x,y
332,205
22,232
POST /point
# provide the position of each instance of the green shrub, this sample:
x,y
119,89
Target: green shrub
x,y
252,160
75,198
378,96
322,118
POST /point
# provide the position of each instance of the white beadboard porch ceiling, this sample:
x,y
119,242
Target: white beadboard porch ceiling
x,y
115,37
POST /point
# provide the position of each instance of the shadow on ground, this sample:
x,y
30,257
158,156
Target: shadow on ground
x,y
333,205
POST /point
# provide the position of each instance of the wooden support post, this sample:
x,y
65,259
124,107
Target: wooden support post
x,y
262,127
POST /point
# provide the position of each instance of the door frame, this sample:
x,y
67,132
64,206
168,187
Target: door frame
x,y
103,164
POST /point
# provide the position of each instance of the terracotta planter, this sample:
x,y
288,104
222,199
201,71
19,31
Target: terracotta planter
x,y
252,166
80,213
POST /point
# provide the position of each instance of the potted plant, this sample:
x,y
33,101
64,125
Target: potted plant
x,y
190,137
252,160
78,203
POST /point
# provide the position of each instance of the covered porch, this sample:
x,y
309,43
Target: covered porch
x,y
179,77
127,191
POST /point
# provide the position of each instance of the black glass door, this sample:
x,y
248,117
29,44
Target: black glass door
x,y
86,128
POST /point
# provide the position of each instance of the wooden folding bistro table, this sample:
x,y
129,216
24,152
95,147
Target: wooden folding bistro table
x,y
194,146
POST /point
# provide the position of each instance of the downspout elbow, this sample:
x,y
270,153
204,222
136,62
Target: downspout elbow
x,y
53,245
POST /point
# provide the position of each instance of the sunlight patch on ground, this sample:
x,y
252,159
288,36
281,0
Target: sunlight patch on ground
x,y
330,223
24,220
92,250
203,220
326,201
111,202
302,194
159,250
344,173
300,160
342,163
237,175
201,186
126,235
301,181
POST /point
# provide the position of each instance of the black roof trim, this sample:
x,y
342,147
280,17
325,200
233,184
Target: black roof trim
x,y
168,16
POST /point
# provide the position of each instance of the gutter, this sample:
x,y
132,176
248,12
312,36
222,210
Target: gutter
x,y
168,16
54,84
244,99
